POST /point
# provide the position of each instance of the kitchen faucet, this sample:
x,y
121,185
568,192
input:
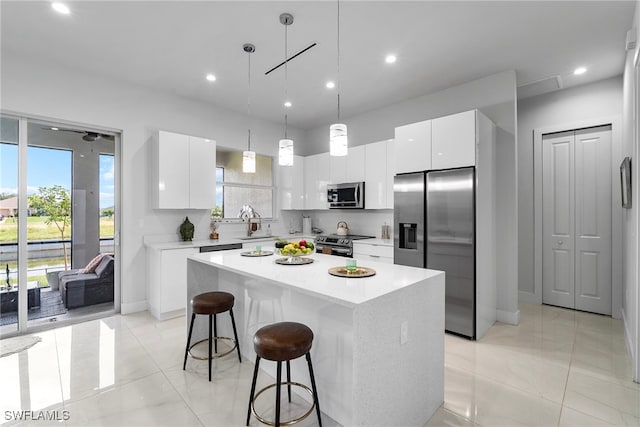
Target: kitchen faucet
x,y
247,212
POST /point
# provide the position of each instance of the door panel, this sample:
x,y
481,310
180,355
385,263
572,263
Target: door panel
x,y
593,222
576,221
557,221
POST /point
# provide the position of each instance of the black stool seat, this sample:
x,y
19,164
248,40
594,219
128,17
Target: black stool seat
x,y
212,302
283,341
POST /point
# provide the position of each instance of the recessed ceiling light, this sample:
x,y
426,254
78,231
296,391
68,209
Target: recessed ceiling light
x,y
390,59
330,85
60,8
211,77
287,104
579,70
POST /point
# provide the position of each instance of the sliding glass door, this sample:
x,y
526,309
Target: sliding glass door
x,y
58,253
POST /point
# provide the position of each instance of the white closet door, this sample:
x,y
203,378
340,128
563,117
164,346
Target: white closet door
x,y
593,219
576,261
558,220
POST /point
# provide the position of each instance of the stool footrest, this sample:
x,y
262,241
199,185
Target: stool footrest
x,y
216,355
283,423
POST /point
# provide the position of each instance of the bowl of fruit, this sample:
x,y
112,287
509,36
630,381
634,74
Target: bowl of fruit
x,y
294,252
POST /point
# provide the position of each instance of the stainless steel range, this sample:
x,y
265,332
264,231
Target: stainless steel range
x,y
334,244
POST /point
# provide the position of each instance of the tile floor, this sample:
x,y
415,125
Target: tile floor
x,y
557,368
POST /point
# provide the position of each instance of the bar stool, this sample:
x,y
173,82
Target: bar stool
x,y
283,342
212,303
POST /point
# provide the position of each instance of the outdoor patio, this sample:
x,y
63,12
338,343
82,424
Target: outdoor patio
x,y
50,305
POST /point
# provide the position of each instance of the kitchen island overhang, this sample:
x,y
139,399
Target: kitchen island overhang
x,y
367,373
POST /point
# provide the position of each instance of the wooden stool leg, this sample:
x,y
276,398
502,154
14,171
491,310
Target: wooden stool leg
x,y
253,387
235,334
186,350
289,380
278,383
215,334
210,340
315,391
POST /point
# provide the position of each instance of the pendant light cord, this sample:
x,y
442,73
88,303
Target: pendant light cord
x,y
249,100
338,48
286,77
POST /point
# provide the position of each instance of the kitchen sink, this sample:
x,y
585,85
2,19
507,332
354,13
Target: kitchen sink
x,y
256,238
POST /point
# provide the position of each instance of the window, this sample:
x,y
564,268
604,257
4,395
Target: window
x,y
235,188
107,205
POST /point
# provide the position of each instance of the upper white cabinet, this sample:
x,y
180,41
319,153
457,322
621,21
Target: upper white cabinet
x,y
453,141
183,170
202,173
291,184
413,147
317,174
379,171
349,168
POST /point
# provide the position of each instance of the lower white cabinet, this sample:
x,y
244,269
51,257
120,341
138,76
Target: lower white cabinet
x,y
167,281
364,252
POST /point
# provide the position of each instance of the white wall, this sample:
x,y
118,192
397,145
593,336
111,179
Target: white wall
x,y
45,90
593,101
493,95
631,219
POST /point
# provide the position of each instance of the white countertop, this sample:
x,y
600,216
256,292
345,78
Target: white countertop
x,y
315,279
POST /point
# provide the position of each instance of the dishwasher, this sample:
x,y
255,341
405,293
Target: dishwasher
x,y
215,248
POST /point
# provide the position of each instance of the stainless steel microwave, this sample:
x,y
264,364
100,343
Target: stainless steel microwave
x,y
346,196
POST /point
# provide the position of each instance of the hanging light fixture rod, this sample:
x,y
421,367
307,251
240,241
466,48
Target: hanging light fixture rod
x,y
292,56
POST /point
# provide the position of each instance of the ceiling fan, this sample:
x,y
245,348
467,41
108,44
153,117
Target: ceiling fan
x,y
87,135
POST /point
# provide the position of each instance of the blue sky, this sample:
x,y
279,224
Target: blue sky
x,y
47,167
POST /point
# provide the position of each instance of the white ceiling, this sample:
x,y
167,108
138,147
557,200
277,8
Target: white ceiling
x,y
172,45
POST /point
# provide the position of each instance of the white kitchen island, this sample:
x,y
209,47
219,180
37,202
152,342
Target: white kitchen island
x,y
378,349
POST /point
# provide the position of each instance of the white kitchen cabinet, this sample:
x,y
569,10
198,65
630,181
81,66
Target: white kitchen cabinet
x,y
317,176
453,141
291,187
349,168
391,161
413,147
167,281
379,173
356,164
364,252
183,172
202,173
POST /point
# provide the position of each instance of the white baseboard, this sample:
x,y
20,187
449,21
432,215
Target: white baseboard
x,y
509,317
133,307
528,297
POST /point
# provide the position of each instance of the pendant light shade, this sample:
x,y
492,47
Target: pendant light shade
x,y
338,144
285,152
249,157
285,146
249,161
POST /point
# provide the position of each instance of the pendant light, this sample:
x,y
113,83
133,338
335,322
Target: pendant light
x,y
338,145
285,146
249,157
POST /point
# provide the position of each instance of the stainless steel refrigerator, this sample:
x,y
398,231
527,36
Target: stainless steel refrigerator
x,y
434,216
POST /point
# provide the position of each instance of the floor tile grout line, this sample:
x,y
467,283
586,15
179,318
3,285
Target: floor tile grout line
x,y
566,383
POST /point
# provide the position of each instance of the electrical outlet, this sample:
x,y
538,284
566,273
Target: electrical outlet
x,y
404,332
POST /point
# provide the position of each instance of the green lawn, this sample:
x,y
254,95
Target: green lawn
x,y
37,229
